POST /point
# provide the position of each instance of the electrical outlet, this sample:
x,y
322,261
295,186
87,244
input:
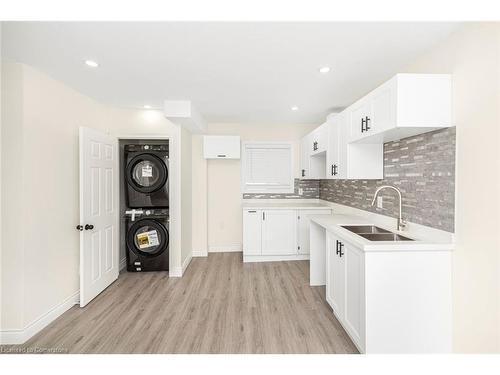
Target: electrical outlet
x,y
301,191
380,202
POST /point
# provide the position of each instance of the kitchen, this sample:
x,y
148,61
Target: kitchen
x,y
320,206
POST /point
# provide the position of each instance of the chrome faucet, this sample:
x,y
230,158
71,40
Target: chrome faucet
x,y
401,221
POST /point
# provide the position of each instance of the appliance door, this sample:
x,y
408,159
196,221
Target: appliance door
x,y
148,238
146,173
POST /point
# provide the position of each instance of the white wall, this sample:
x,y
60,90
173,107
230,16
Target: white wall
x,y
1,256
186,200
224,226
40,190
472,56
199,190
12,283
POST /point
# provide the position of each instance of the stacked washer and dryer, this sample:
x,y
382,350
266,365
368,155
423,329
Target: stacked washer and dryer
x,y
146,207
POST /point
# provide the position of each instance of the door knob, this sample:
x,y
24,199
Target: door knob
x,y
79,227
89,226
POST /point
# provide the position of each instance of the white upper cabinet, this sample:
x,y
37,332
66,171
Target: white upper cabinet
x,y
351,161
335,168
406,105
313,153
221,147
318,139
305,154
350,145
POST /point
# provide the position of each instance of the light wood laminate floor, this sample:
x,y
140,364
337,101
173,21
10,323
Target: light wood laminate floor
x,y
221,305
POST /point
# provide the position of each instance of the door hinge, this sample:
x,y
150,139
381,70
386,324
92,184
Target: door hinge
x,y
298,217
298,247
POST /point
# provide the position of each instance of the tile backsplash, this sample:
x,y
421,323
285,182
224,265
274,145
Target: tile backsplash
x,y
310,191
422,167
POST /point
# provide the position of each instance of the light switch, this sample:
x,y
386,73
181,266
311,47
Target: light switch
x,y
301,191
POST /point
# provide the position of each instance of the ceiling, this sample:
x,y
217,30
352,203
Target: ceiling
x,y
233,72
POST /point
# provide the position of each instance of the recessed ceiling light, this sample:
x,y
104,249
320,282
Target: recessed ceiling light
x,y
294,108
324,69
147,106
91,63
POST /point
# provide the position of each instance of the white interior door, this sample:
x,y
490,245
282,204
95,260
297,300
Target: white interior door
x,y
98,213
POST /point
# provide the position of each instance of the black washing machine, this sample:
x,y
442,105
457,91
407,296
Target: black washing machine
x,y
147,241
146,175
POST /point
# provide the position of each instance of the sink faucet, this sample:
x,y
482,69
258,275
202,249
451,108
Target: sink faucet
x,y
401,221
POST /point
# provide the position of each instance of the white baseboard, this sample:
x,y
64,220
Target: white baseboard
x,y
20,336
274,258
123,264
179,271
200,253
225,248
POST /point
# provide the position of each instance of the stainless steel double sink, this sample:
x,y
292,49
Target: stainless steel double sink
x,y
373,233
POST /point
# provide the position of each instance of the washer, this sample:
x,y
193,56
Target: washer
x,y
146,175
147,241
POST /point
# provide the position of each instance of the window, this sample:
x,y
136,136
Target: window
x,y
267,167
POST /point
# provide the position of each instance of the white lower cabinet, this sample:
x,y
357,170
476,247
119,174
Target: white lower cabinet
x,y
354,311
277,234
304,223
252,231
390,301
345,286
335,284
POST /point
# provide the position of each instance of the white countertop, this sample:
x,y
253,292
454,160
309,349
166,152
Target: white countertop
x,y
333,223
291,205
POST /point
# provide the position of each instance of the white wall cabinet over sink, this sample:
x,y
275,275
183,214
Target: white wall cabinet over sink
x,y
390,301
406,105
353,144
277,234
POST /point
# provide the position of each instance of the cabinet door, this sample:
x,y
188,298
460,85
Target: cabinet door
x,y
304,157
355,293
252,232
279,232
383,108
330,255
304,224
343,134
319,139
332,152
359,112
221,147
337,276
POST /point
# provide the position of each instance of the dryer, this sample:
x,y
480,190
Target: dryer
x,y
147,241
146,175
